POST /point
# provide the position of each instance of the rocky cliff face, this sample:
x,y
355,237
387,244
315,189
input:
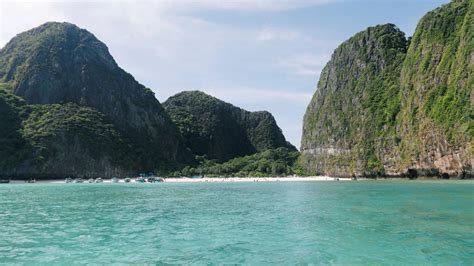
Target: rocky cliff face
x,y
437,84
351,116
381,108
58,63
58,140
220,130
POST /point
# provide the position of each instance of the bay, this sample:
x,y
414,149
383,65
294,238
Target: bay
x,y
364,222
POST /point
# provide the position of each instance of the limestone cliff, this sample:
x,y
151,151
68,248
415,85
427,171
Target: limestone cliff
x,y
350,120
387,106
437,84
59,63
220,130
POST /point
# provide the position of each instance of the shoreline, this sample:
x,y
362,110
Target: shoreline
x,y
252,179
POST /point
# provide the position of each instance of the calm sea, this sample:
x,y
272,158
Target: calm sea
x,y
373,222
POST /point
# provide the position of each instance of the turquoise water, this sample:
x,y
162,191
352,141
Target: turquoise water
x,y
373,222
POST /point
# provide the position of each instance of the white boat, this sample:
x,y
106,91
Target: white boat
x,y
115,180
68,180
140,179
78,180
91,180
99,180
127,180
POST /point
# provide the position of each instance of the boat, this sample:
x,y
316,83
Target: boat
x,y
99,180
78,180
127,180
4,181
140,179
31,180
68,180
115,180
91,180
151,179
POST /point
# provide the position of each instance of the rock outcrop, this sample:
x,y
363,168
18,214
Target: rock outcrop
x,y
350,119
221,131
437,85
59,63
390,106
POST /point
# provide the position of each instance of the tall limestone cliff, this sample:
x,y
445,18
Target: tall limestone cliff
x,y
437,84
382,108
350,120
59,63
220,130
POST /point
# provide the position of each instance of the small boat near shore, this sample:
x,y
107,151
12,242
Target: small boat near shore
x,y
99,180
4,181
115,180
127,180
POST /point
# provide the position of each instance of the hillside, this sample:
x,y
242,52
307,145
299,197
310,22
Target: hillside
x,y
59,63
350,119
388,106
221,131
437,83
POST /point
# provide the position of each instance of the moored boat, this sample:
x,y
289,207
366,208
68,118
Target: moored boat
x,y
99,180
115,180
127,180
4,180
68,180
91,180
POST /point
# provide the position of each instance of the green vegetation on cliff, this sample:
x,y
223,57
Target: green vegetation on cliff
x,y
221,131
383,108
68,109
437,79
273,162
352,114
57,140
59,63
13,147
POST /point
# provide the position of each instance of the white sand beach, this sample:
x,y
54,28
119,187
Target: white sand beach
x,y
252,179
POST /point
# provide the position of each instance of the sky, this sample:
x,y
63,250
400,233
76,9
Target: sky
x,y
257,55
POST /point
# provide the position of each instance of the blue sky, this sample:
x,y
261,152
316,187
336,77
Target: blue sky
x,y
258,55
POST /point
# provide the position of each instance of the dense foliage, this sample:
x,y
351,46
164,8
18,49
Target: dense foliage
x,y
354,109
221,131
274,162
57,139
59,63
385,104
13,147
437,79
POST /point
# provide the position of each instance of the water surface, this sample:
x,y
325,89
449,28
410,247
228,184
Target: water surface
x,y
373,222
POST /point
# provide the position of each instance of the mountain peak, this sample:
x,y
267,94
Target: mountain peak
x,y
221,130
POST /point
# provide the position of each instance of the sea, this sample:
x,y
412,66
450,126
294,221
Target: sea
x,y
256,223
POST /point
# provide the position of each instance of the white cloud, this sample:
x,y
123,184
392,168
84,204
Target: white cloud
x,y
189,5
274,34
255,95
305,64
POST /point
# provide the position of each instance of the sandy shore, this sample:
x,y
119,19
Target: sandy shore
x,y
215,179
251,179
